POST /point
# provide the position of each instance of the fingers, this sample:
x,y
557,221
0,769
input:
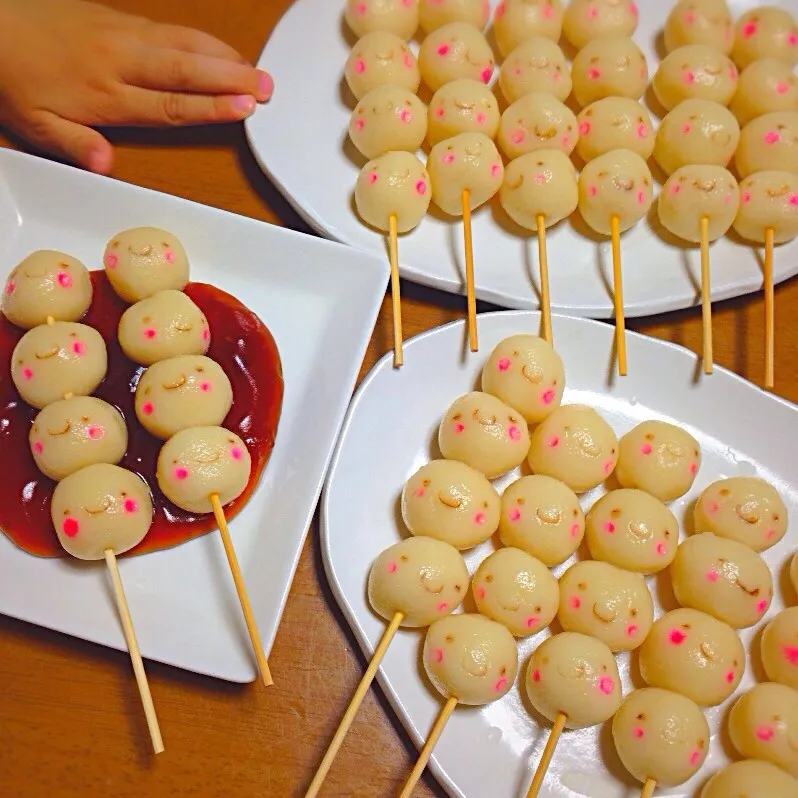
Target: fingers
x,y
173,70
176,37
71,141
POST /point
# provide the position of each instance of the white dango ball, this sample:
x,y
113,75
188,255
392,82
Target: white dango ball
x,y
381,58
764,87
423,578
696,72
696,132
516,21
451,501
763,724
765,32
467,162
618,183
614,123
143,261
46,284
588,20
707,22
537,121
633,530
455,51
74,433
660,735
541,183
694,654
768,142
516,590
609,68
399,17
723,578
768,200
543,517
576,675
434,14
746,509
746,777
101,507
167,324
536,65
202,461
608,603
575,445
694,193
482,431
779,648
462,106
470,658
388,119
527,373
53,360
182,392
396,184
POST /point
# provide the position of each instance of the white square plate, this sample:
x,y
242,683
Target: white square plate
x,y
320,301
300,140
391,431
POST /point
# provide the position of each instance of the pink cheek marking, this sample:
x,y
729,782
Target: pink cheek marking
x,y
480,519
448,158
732,74
631,630
64,280
646,447
761,606
443,606
436,655
96,433
504,364
27,374
500,685
727,199
637,733
793,199
111,260
405,116
661,549
149,333
38,448
70,527
206,334
131,506
641,197
79,348
772,137
487,74
642,131
584,128
10,286
518,71
609,527
712,575
553,441
746,198
749,29
689,78
592,191
729,677
575,530
765,733
408,60
169,256
459,427
443,49
407,3
792,39
373,178
540,179
693,468
421,188
677,637
548,12
495,170
481,118
607,685
517,136
695,757
556,76
608,466
514,515
236,453
205,387
500,9
480,592
391,567
686,128
360,68
592,12
419,492
147,408
689,18
633,9
535,676
575,602
360,124
771,533
181,473
566,140
532,621
712,507
782,88
791,654
513,433
593,74
547,397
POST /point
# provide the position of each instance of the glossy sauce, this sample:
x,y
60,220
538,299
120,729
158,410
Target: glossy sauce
x,y
240,343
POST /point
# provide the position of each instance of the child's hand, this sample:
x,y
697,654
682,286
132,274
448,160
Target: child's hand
x,y
69,65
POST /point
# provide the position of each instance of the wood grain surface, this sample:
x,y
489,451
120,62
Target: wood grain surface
x,y
70,719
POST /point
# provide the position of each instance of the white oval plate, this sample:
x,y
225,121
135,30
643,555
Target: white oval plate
x,y
390,432
300,140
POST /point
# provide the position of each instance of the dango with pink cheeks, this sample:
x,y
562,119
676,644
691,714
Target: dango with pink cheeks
x,y
769,142
697,72
766,86
768,200
451,501
705,22
614,122
536,65
462,106
766,32
518,21
381,58
470,658
398,17
614,67
537,121
46,284
589,20
779,648
455,51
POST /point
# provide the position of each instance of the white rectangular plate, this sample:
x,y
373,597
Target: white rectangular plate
x,y
390,432
300,140
320,301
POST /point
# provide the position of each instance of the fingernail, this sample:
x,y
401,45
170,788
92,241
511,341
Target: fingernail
x,y
266,86
244,103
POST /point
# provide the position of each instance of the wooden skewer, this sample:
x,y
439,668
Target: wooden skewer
x,y
238,579
548,753
426,751
706,296
469,268
354,705
770,303
543,262
396,296
648,789
620,321
135,654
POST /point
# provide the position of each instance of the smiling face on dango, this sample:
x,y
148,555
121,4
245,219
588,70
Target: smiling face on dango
x,y
381,58
705,22
399,17
454,51
462,106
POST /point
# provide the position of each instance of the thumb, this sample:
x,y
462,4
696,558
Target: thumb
x,y
71,141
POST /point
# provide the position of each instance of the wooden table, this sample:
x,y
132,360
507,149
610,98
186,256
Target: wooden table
x,y
70,718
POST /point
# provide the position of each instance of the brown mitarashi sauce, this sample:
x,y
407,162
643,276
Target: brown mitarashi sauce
x,y
240,343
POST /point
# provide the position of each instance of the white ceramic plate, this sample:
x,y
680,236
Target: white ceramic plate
x,y
300,140
390,432
182,600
